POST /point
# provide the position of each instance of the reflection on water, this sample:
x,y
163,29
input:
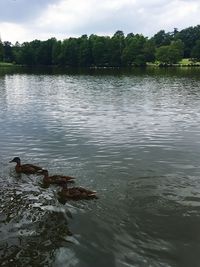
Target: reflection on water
x,y
32,225
132,137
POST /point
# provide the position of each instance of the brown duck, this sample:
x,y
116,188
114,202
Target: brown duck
x,y
56,179
76,193
25,168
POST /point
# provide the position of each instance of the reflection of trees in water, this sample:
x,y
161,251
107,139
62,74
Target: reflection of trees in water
x,y
32,228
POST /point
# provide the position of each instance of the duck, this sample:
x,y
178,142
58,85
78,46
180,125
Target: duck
x,y
25,168
56,178
76,193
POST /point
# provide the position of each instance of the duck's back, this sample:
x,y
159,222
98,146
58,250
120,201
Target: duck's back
x,y
27,168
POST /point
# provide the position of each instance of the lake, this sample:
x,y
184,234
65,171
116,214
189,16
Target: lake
x,y
134,137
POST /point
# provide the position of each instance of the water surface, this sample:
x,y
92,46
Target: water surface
x,y
132,137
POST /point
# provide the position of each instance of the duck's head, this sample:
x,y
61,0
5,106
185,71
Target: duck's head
x,y
16,159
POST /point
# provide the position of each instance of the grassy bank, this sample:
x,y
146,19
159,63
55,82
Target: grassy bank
x,y
188,62
185,62
4,64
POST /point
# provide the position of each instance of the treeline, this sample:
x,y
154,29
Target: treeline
x,y
104,51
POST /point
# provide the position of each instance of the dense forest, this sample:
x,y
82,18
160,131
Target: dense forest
x,y
104,51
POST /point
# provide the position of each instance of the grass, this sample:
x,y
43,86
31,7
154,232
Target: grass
x,y
183,63
4,64
188,61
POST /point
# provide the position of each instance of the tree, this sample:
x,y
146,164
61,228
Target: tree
x,y
105,51
162,54
44,52
16,52
56,53
116,47
134,53
85,52
69,52
149,51
8,53
189,37
196,51
100,50
175,32
170,54
178,44
162,38
1,50
26,55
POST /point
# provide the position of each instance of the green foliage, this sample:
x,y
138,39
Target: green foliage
x,y
4,64
161,38
189,37
85,53
170,54
104,51
56,52
1,50
69,52
28,53
100,50
149,51
138,50
116,46
7,52
162,54
44,52
196,51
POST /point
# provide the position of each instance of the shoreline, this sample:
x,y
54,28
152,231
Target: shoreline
x,y
148,65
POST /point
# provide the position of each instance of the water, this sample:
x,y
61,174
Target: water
x,y
132,137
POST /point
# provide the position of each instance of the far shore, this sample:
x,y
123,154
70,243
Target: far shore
x,y
183,63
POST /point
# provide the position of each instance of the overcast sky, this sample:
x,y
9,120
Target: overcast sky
x,y
27,20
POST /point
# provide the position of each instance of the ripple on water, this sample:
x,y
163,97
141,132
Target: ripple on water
x,y
30,217
124,136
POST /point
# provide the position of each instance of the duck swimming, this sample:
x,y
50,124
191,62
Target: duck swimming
x,y
56,179
25,168
76,193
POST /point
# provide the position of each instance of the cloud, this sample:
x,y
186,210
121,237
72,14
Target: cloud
x,y
11,32
168,15
19,11
138,16
43,19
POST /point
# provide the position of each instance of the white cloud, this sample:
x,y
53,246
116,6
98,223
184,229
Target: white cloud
x,y
168,15
70,16
11,32
65,18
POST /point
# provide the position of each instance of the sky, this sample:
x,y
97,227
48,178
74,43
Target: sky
x,y
27,20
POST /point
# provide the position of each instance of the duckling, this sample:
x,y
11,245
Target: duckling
x,y
56,179
76,193
25,168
